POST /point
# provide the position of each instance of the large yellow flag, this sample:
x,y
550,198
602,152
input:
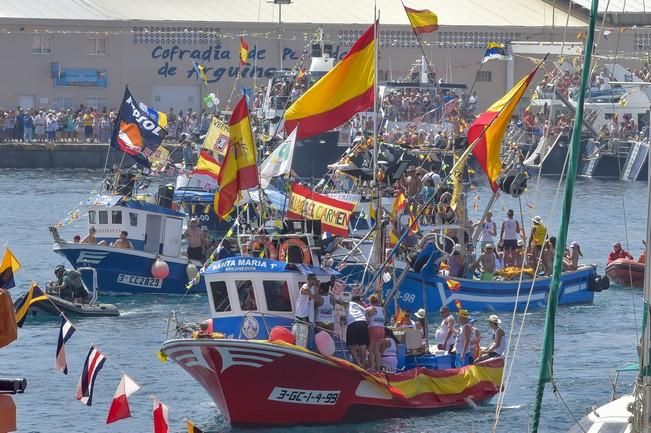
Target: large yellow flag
x,y
245,150
345,90
494,121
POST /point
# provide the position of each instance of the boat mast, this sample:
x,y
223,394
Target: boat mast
x,y
378,245
547,355
642,392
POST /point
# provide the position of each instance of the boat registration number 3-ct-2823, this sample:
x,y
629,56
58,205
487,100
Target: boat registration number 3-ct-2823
x,y
134,280
304,396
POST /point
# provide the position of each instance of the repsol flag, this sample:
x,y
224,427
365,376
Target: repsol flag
x,y
138,129
307,204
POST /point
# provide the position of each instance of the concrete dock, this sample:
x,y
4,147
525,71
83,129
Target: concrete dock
x,y
61,155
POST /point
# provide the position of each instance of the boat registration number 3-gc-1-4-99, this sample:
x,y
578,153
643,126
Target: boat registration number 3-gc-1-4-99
x,y
304,396
134,280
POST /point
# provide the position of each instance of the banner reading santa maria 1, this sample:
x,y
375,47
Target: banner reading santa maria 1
x,y
333,214
138,129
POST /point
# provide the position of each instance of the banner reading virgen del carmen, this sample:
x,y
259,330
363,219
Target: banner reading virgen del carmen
x,y
333,214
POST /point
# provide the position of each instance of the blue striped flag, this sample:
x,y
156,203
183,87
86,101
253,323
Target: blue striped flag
x,y
92,366
65,332
495,51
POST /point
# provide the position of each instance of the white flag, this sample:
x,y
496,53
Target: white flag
x,y
280,160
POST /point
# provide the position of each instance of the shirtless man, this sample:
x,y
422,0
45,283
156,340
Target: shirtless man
x,y
571,259
486,262
90,237
412,183
195,237
123,242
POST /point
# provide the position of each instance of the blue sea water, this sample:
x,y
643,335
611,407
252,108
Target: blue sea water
x,y
591,341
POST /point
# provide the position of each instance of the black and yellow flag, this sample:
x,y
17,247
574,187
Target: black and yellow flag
x,y
33,296
8,268
192,428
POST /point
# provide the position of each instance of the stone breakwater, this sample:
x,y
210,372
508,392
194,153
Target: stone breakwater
x,y
61,155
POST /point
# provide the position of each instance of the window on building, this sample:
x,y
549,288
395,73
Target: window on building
x,y
63,102
103,217
277,295
97,102
246,295
484,76
98,45
92,218
220,296
42,44
133,219
116,217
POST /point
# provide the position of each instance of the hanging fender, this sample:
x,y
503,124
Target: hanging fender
x,y
294,242
256,244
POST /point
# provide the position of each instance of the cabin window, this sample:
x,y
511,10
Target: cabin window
x,y
220,296
103,217
116,216
92,217
246,295
277,295
133,219
484,76
358,221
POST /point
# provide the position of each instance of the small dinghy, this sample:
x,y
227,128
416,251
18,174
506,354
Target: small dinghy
x,y
626,272
55,304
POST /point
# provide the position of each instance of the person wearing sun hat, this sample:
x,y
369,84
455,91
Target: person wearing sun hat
x,y
537,239
421,324
499,342
464,335
571,259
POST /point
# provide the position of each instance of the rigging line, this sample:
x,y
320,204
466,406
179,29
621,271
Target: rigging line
x,y
557,391
502,396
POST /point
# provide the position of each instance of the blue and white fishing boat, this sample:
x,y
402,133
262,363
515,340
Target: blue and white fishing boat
x,y
154,231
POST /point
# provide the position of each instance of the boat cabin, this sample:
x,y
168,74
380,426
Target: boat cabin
x,y
151,228
248,296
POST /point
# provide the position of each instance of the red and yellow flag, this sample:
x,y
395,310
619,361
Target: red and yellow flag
x,y
422,20
244,52
207,165
414,227
245,150
239,170
453,285
345,90
399,204
495,121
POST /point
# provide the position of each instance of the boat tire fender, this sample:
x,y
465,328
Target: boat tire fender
x,y
294,242
261,240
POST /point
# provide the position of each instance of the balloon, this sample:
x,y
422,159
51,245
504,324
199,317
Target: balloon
x,y
278,333
209,104
160,269
324,343
191,271
216,101
212,96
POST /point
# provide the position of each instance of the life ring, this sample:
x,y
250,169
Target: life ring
x,y
294,242
257,242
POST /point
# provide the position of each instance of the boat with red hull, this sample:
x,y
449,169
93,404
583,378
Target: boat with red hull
x,y
256,382
626,272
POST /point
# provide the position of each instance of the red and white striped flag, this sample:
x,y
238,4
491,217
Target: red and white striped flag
x,y
94,363
65,332
161,420
120,405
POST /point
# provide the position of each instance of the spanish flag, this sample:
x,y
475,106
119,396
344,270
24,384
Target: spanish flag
x,y
239,170
8,268
494,121
33,296
207,165
453,285
422,20
244,52
399,204
345,90
245,150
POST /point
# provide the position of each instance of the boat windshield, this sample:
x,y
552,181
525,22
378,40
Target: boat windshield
x,y
587,425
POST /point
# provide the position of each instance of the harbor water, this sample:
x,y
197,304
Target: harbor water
x,y
591,340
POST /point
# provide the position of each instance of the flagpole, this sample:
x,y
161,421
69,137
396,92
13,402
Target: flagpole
x,y
420,45
378,247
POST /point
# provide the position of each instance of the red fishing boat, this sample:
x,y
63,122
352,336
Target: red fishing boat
x,y
256,382
626,272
